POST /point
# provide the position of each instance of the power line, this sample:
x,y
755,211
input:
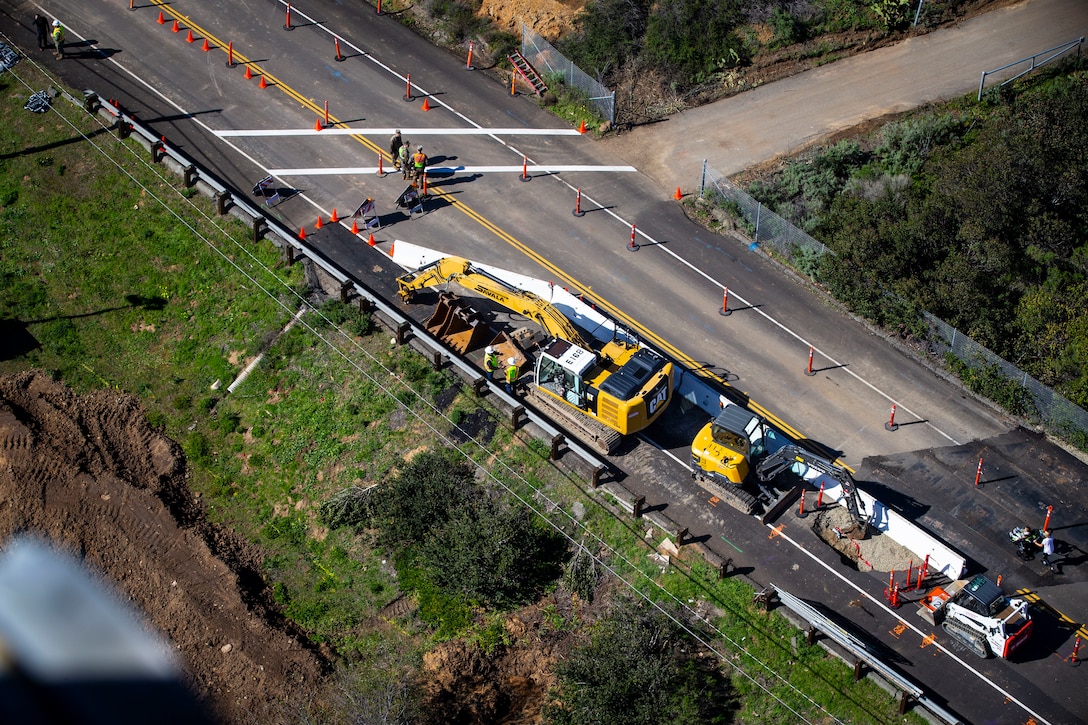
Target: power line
x,y
440,435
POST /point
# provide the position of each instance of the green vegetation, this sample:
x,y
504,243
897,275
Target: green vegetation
x,y
330,458
975,213
637,667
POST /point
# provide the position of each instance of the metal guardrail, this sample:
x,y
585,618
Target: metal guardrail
x,y
862,652
1033,61
286,239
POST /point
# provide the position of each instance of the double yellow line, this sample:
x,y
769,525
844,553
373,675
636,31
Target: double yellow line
x,y
471,213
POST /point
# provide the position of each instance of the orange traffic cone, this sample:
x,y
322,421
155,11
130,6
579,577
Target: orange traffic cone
x,y
678,196
371,241
334,219
426,105
205,47
317,125
263,83
319,224
249,73
582,126
391,248
189,38
161,20
302,233
175,28
354,227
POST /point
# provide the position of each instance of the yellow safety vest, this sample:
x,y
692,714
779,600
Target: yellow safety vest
x,y
511,373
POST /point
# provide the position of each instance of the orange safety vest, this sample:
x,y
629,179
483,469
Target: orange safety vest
x,y
419,160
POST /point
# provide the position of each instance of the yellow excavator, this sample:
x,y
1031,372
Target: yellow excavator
x,y
603,391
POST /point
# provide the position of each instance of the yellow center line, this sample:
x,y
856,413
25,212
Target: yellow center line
x,y
571,281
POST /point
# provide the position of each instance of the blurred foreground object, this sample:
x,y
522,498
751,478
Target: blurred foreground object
x,y
71,652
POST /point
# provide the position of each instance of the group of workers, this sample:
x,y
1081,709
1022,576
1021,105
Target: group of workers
x,y
42,28
492,364
411,165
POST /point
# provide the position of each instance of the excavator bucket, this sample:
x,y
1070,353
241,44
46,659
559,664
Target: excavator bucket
x,y
506,348
457,324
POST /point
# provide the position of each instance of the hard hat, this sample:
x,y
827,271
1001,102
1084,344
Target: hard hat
x,y
489,349
397,131
56,23
510,361
419,149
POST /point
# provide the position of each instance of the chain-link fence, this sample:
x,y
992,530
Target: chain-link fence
x,y
550,62
1026,396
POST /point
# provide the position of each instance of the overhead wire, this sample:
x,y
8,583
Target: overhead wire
x,y
441,435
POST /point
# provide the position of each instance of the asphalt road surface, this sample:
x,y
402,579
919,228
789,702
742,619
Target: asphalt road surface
x,y
670,289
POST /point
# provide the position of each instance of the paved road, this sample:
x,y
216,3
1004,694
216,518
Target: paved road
x,y
783,117
671,288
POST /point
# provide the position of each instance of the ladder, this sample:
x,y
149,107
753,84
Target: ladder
x,y
526,70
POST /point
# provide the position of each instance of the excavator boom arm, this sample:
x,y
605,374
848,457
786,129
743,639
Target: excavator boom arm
x,y
461,271
789,454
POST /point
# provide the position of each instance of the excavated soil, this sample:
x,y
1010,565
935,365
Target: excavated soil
x,y
90,474
873,552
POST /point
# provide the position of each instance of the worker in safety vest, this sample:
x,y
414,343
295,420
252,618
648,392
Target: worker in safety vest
x,y
419,165
58,38
491,361
511,375
394,148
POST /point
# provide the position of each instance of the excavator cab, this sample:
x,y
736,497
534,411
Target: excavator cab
x,y
561,370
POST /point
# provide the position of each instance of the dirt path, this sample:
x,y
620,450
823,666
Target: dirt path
x,y
782,118
89,473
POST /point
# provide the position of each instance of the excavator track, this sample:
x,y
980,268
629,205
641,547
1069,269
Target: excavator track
x,y
974,641
600,437
735,496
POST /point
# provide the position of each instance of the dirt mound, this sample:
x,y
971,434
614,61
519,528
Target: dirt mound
x,y
89,473
550,18
874,552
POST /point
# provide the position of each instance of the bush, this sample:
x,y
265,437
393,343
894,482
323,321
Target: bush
x,y
639,668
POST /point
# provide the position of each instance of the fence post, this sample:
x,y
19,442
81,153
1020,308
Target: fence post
x,y
702,179
759,208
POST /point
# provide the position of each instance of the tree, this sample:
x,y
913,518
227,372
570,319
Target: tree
x,y
639,667
493,552
609,33
693,38
424,495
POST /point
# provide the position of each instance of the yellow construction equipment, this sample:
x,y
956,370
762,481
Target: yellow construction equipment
x,y
603,391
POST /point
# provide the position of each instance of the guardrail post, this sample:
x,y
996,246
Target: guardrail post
x,y
345,291
190,175
639,504
259,228
222,202
402,332
595,479
479,385
288,255
436,359
680,536
810,635
156,151
557,441
903,700
516,415
124,128
858,664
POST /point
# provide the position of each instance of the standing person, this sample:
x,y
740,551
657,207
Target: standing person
x,y
511,375
419,165
405,157
41,26
1047,545
394,148
491,361
58,39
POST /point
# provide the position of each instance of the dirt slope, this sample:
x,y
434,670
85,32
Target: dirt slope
x,y
89,473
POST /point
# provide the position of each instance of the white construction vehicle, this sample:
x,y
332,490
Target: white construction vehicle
x,y
978,613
